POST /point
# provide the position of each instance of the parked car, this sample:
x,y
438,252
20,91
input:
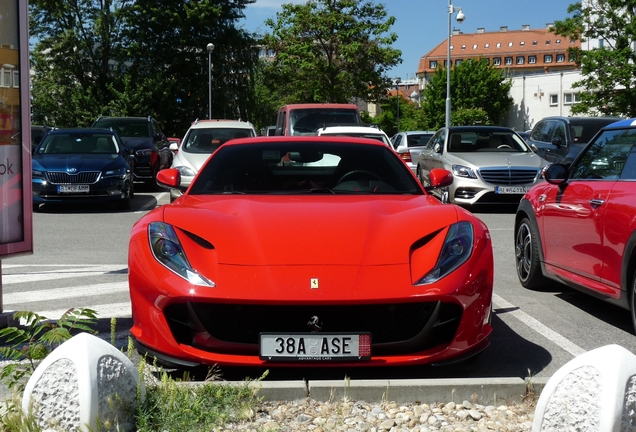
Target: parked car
x,y
579,227
409,145
143,137
38,132
356,131
266,264
561,139
306,119
200,141
490,164
81,166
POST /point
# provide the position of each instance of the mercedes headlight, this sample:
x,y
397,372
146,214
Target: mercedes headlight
x,y
463,171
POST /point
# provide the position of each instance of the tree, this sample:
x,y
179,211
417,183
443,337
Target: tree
x,y
609,71
331,51
139,58
476,86
410,116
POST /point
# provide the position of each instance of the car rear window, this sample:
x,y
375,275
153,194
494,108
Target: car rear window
x,y
208,140
300,168
583,130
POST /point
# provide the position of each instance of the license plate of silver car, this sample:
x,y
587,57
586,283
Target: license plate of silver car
x,y
510,190
73,188
315,346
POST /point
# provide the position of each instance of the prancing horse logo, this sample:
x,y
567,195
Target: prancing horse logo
x,y
315,324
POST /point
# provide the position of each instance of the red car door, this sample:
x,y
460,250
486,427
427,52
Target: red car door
x,y
573,228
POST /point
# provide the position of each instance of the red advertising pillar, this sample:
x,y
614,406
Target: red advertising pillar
x,y
16,211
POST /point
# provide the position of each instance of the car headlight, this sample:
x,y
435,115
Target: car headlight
x,y
463,171
455,251
186,171
167,249
37,174
143,152
120,172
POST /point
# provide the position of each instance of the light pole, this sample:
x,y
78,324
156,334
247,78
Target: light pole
x,y
397,93
460,19
210,48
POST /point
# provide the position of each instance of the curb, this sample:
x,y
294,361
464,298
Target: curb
x,y
484,391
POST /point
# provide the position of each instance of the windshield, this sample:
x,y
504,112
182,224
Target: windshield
x,y
78,144
300,168
307,121
208,140
369,135
486,141
125,127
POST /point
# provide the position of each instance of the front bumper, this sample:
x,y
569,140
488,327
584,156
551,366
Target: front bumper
x,y
106,189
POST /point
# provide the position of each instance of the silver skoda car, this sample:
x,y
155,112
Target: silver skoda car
x,y
490,164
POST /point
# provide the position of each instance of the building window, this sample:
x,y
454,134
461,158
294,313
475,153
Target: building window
x,y
554,100
475,46
5,77
498,44
535,42
522,43
558,41
567,99
509,44
463,47
601,43
547,58
576,98
16,79
532,59
547,42
496,61
433,64
458,62
452,46
508,61
445,63
487,45
560,58
520,60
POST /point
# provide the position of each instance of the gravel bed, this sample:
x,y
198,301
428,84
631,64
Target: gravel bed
x,y
351,416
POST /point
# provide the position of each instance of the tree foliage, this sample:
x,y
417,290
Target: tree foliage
x,y
331,51
609,71
142,57
479,92
391,119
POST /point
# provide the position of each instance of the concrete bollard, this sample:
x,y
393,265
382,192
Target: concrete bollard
x,y
84,384
595,391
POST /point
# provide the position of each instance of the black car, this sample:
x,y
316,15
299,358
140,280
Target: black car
x,y
81,166
144,138
560,139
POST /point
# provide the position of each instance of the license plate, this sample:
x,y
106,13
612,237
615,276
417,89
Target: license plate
x,y
315,347
73,188
511,190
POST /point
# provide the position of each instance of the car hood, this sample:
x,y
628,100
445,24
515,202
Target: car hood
x,y
81,162
498,159
191,160
311,230
137,143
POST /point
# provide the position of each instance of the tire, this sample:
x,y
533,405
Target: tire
x,y
527,255
632,301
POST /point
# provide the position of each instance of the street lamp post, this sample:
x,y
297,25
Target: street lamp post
x,y
397,93
210,48
460,19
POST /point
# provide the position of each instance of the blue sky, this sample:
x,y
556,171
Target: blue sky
x,y
423,24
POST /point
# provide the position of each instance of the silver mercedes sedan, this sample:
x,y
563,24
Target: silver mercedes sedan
x,y
490,164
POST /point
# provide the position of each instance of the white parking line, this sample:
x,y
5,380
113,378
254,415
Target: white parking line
x,y
78,292
60,274
114,310
540,328
150,206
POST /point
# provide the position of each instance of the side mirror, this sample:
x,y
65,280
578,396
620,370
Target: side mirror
x,y
557,141
437,148
174,146
438,178
556,174
169,178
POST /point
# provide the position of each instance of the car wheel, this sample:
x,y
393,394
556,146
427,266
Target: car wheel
x,y
632,301
527,255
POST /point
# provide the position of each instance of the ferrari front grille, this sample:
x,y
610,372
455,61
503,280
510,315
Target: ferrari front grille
x,y
395,328
509,176
61,177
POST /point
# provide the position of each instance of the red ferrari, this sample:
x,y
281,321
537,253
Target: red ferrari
x,y
309,250
579,227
